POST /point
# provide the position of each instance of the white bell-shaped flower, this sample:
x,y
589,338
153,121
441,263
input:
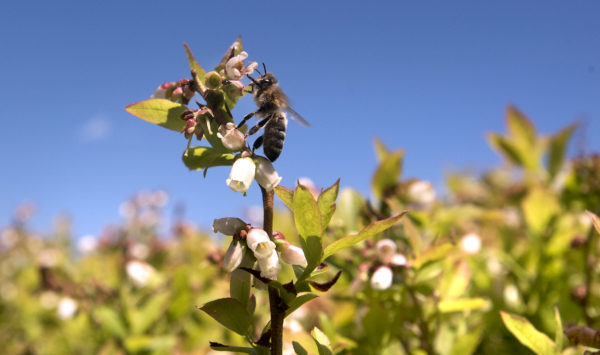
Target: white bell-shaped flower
x,y
266,175
233,256
231,137
258,241
293,255
241,175
269,266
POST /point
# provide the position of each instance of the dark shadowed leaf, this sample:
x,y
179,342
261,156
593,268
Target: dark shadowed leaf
x,y
367,232
237,349
230,312
325,286
299,349
198,158
162,112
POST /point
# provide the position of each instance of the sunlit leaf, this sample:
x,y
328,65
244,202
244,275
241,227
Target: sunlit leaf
x,y
466,344
367,232
414,237
526,333
558,335
462,304
198,158
539,207
229,348
162,112
326,203
230,312
436,252
151,311
381,150
558,147
520,127
194,64
387,174
306,213
322,341
506,148
313,251
110,320
158,344
286,195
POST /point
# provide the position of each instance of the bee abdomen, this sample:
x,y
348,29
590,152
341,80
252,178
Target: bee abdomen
x,y
274,137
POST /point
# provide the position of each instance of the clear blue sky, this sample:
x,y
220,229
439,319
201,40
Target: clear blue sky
x,y
431,77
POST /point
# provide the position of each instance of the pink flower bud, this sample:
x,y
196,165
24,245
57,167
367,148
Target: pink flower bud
x,y
228,225
233,256
258,241
382,278
241,175
161,91
266,175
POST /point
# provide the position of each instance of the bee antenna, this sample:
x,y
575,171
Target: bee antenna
x,y
265,67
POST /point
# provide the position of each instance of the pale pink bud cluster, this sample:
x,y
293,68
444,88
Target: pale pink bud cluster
x,y
386,253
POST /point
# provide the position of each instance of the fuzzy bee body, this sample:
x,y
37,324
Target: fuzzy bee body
x,y
271,102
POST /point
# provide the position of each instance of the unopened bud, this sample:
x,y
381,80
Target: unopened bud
x,y
233,256
386,248
293,255
213,80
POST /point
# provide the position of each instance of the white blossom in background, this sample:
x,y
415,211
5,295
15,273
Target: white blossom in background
x,y
139,251
385,248
231,137
87,243
269,266
421,192
66,308
140,272
293,255
471,243
258,241
241,175
266,175
382,278
398,260
9,237
511,295
233,256
228,225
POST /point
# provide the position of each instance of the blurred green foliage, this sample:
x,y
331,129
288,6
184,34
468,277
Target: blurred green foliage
x,y
515,239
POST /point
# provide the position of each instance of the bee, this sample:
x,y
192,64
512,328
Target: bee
x,y
273,105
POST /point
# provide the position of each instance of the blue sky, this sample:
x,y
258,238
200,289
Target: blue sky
x,y
431,77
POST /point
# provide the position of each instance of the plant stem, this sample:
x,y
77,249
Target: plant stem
x,y
276,304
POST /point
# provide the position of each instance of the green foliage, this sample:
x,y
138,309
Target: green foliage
x,y
535,340
162,112
230,312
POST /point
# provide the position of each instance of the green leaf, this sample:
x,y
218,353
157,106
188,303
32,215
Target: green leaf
x,y
159,344
326,203
322,341
194,64
233,50
380,150
237,349
539,207
151,311
110,320
299,349
306,213
387,174
210,127
520,127
526,333
414,237
436,252
558,335
198,158
367,232
462,304
298,302
466,344
558,147
313,251
506,148
162,112
230,312
240,282
286,195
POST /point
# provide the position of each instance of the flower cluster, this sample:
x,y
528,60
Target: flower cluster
x,y
386,260
263,249
246,169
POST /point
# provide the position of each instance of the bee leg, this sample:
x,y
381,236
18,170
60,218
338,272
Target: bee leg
x,y
258,126
245,119
257,143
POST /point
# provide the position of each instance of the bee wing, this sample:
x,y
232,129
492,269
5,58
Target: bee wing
x,y
297,117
